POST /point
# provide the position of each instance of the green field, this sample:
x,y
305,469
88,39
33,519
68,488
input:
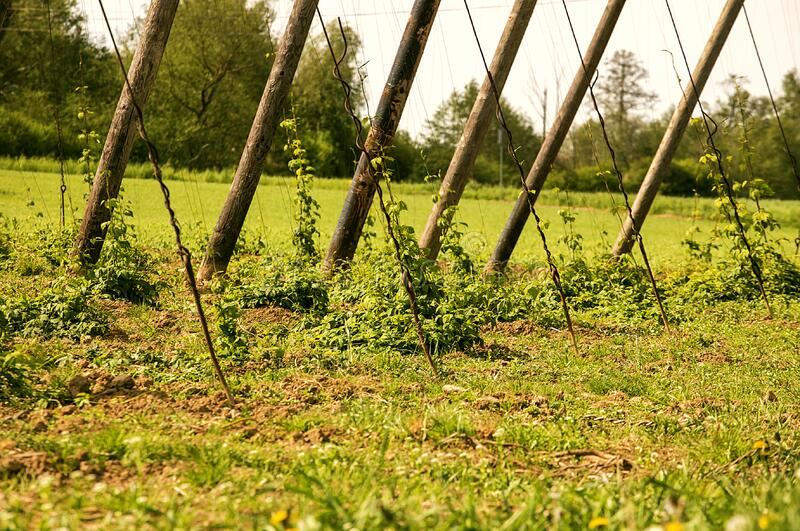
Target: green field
x,y
485,211
110,417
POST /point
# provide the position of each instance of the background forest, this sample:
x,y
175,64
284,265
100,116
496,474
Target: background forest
x,y
211,80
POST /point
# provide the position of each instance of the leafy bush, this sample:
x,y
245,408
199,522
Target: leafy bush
x,y
124,271
52,246
684,178
15,375
5,244
67,309
21,134
732,279
292,284
582,179
230,340
370,308
608,287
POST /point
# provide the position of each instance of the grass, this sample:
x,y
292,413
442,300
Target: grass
x,y
694,430
485,210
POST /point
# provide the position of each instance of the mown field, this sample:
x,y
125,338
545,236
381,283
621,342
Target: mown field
x,y
110,417
485,211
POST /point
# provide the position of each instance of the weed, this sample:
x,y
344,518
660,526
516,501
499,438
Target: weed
x,y
212,464
452,238
68,308
284,283
307,214
124,271
15,375
231,341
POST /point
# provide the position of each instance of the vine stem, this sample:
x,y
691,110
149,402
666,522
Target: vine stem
x,y
529,195
717,157
374,169
620,183
183,251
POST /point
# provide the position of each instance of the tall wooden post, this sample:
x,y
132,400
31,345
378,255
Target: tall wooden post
x,y
6,10
122,133
270,109
480,118
384,125
555,136
659,167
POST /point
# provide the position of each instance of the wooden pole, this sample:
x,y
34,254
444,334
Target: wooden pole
x,y
6,11
659,167
384,125
269,113
122,133
480,118
555,136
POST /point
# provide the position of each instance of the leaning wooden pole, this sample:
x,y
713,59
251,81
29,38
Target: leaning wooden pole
x,y
122,133
268,115
480,118
384,125
659,167
6,11
555,137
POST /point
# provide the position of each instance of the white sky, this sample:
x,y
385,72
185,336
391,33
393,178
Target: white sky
x,y
548,58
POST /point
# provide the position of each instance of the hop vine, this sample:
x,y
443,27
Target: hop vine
x,y
304,237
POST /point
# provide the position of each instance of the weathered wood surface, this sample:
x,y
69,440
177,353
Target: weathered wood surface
x,y
555,137
123,130
384,126
480,119
248,172
659,166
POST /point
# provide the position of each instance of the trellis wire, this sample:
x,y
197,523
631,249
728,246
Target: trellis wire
x,y
718,159
696,210
183,251
528,193
57,116
789,154
405,273
618,174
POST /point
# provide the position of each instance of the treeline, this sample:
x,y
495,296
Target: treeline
x,y
218,59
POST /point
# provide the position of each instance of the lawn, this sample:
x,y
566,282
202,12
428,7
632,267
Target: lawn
x,y
484,210
110,417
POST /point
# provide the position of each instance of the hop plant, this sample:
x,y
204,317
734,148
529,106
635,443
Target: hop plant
x,y
307,214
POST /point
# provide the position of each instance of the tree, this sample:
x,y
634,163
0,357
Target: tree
x,y
317,98
621,94
768,143
407,163
210,81
36,78
443,131
790,101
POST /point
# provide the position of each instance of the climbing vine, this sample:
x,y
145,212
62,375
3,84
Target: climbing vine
x,y
306,216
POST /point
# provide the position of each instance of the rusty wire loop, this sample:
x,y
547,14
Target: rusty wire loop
x,y
57,117
373,172
529,195
183,252
618,173
718,159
